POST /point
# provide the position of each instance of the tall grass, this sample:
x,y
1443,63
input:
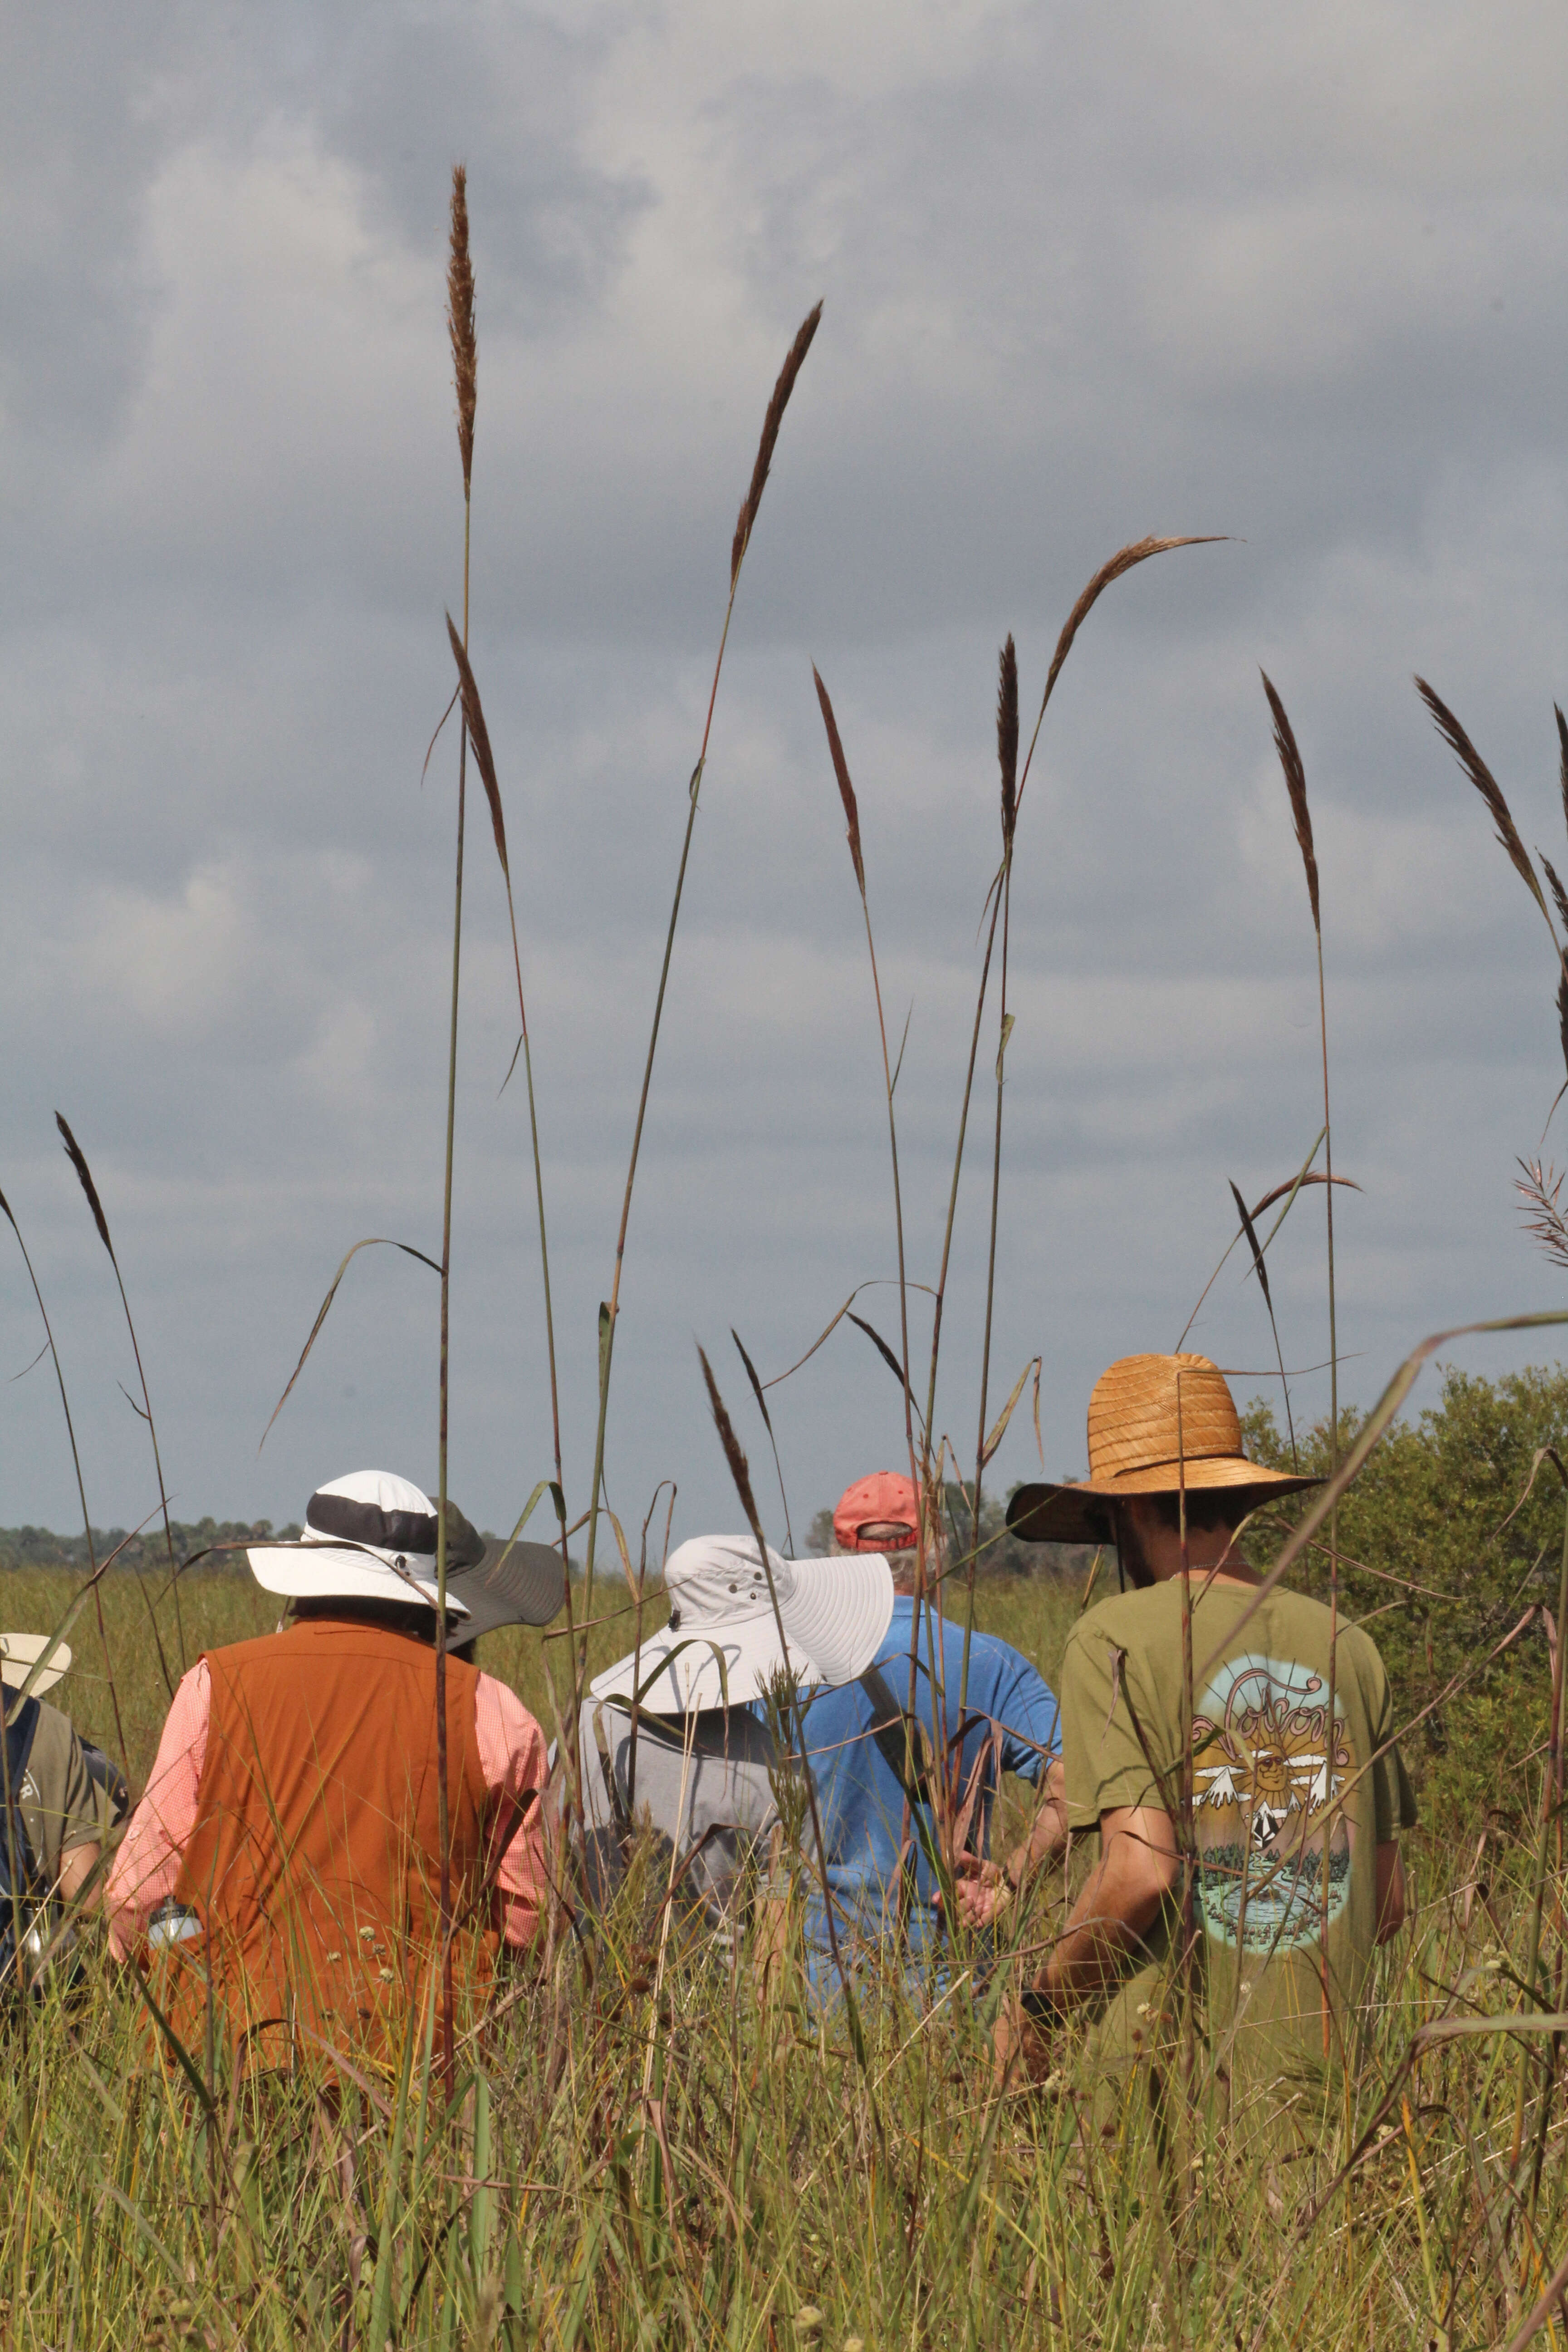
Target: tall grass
x,y
660,2137
772,2216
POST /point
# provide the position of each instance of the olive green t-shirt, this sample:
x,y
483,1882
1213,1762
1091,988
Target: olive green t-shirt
x,y
1286,1821
59,1799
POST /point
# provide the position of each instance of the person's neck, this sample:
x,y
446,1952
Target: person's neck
x,y
1230,1571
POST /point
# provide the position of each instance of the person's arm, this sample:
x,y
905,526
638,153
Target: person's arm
x,y
1119,1905
76,1866
146,1869
1120,1902
1390,1891
511,1758
984,1888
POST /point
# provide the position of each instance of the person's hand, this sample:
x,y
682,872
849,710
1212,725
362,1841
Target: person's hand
x,y
1023,2049
981,1889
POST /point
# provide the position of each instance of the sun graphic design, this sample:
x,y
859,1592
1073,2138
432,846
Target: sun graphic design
x,y
1274,1848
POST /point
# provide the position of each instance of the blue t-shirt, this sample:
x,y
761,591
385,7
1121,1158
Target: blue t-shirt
x,y
858,1792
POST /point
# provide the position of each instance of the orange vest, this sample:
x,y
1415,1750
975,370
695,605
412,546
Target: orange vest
x,y
314,1864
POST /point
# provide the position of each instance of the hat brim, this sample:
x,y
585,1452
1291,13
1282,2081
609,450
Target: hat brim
x,y
333,1572
1077,1511
835,1621
705,1666
19,1654
522,1584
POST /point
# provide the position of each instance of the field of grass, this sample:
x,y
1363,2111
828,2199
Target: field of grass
x,y
770,2188
651,2141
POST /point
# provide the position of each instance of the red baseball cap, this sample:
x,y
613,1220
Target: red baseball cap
x,y
884,1499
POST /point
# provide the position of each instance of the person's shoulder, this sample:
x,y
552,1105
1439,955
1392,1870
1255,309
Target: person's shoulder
x,y
229,1657
1125,1619
1357,1648
52,1729
502,1696
995,1648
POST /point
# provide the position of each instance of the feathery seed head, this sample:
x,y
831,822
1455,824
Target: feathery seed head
x,y
460,323
766,446
1296,785
1485,784
1007,740
841,770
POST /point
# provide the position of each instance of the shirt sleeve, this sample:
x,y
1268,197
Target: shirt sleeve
x,y
147,1866
81,1815
511,1758
1103,1763
57,1800
1025,1710
1394,1805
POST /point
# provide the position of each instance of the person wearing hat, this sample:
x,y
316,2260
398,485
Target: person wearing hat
x,y
858,1740
52,1834
670,1737
1294,1818
288,1846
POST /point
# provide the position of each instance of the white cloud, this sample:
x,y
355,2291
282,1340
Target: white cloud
x,y
1087,273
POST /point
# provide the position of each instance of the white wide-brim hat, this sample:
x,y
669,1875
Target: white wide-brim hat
x,y
367,1537
721,1646
20,1653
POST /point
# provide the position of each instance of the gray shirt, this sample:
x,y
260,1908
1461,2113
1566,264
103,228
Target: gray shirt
x,y
701,1784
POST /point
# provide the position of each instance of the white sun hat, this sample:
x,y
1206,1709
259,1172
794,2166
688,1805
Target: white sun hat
x,y
368,1537
20,1653
835,1612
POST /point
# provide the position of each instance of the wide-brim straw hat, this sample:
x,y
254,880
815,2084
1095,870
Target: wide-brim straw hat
x,y
721,1646
369,1537
513,1584
20,1653
1156,1425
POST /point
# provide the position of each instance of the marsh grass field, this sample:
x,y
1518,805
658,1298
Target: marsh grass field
x,y
655,2137
770,2189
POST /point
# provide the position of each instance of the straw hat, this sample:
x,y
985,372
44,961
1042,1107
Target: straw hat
x,y
368,1537
20,1653
835,1612
1156,1424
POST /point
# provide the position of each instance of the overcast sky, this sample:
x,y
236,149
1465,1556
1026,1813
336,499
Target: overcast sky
x,y
1295,275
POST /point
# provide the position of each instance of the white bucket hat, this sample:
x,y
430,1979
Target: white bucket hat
x,y
368,1537
834,1613
20,1653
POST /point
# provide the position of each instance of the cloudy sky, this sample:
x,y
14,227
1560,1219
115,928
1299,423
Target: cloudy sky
x,y
1298,276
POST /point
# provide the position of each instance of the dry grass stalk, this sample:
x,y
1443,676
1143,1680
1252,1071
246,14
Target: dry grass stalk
x,y
1297,1184
740,1470
1559,897
1539,1188
781,390
1007,738
6,1211
78,1158
609,1309
841,770
1137,552
1486,784
1296,785
479,736
460,323
751,1374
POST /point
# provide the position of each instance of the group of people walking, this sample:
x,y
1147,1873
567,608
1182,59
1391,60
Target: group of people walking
x,y
340,1808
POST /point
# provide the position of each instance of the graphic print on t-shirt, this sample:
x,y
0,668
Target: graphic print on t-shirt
x,y
1264,1776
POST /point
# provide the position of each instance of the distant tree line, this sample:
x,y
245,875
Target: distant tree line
x,y
39,1548
1464,1505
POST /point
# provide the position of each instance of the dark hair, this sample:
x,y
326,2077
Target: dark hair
x,y
1208,1507
410,1617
